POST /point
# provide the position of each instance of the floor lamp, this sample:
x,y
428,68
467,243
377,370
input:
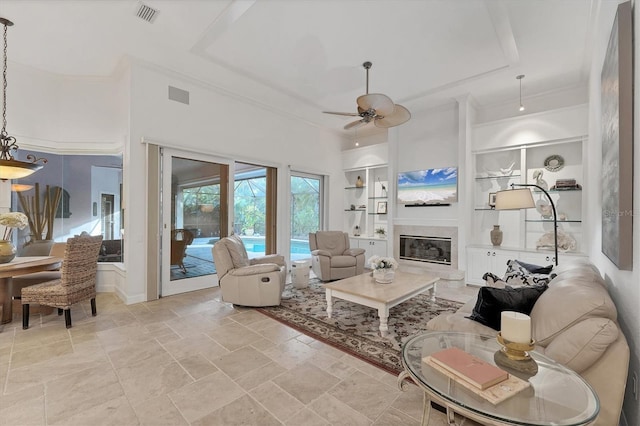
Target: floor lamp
x,y
516,199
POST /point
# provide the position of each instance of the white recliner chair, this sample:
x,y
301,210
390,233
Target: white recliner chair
x,y
331,257
248,282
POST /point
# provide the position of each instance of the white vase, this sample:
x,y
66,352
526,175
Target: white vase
x,y
384,276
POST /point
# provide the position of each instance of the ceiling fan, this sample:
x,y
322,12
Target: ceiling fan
x,y
376,107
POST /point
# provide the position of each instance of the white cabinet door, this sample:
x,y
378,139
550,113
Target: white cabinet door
x,y
541,259
372,246
482,260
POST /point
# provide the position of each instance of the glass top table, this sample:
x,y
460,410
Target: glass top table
x,y
556,395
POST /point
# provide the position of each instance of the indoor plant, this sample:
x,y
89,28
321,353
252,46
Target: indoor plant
x,y
381,232
383,268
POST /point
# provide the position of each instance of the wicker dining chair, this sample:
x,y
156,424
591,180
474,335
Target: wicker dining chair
x,y
77,280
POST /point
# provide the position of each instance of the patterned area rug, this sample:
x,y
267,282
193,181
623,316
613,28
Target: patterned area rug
x,y
354,328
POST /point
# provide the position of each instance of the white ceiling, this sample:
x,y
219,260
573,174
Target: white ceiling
x,y
301,57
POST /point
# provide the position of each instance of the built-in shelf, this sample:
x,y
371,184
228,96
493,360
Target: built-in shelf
x,y
377,198
551,220
559,190
497,177
377,214
355,210
354,187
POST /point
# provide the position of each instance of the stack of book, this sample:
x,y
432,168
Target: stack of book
x,y
484,379
566,184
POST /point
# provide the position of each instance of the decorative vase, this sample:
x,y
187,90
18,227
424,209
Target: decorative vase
x,y
7,251
359,182
496,235
384,276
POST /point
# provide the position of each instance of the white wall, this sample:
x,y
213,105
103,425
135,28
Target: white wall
x,y
623,285
429,140
219,124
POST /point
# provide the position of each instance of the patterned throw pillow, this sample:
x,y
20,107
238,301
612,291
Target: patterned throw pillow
x,y
518,275
493,280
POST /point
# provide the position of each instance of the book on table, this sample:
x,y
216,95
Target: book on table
x,y
470,368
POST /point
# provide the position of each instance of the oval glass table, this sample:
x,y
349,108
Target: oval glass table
x,y
556,395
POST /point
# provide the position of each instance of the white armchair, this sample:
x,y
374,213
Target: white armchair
x,y
331,257
248,282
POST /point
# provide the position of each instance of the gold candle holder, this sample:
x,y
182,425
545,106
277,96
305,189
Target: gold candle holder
x,y
515,351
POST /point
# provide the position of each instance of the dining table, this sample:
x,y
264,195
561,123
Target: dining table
x,y
21,266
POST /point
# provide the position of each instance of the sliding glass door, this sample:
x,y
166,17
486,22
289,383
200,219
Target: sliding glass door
x,y
194,217
306,212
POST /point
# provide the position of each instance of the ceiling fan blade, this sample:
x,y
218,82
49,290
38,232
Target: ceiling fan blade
x,y
399,116
353,124
350,114
382,104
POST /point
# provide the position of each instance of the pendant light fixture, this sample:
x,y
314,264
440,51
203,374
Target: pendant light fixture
x,y
10,168
520,77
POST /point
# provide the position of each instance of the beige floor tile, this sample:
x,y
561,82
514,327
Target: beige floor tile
x,y
241,361
306,382
32,355
276,400
393,417
115,412
159,411
26,412
197,366
137,353
243,411
336,413
290,353
75,393
218,389
306,417
53,369
131,334
278,333
364,394
260,375
37,337
249,317
234,336
151,378
272,374
195,344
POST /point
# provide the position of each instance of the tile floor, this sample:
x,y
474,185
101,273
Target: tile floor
x,y
191,360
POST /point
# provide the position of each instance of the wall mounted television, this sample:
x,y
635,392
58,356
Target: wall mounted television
x,y
428,187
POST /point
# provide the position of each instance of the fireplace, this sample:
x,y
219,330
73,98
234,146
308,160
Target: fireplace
x,y
426,249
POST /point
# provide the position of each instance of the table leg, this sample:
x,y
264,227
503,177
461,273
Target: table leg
x,y
329,302
426,410
433,292
383,314
6,289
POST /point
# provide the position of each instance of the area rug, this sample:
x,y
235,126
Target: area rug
x,y
354,328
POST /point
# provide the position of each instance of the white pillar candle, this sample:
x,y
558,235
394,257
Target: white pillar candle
x,y
515,327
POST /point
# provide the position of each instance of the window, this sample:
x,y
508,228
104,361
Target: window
x,y
74,194
306,208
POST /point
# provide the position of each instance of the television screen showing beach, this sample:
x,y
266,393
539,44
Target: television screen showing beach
x,y
432,186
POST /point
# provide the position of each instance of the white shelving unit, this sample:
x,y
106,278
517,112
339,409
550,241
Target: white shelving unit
x,y
367,207
496,170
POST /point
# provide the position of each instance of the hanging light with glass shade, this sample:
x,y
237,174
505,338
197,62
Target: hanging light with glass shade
x,y
10,168
520,77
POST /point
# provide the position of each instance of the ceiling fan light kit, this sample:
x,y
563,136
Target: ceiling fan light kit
x,y
376,108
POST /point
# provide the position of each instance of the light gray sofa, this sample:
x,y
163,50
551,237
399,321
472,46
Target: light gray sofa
x,y
573,322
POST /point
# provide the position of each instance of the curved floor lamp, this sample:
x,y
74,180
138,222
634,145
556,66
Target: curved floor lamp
x,y
516,199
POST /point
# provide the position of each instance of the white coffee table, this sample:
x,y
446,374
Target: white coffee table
x,y
363,290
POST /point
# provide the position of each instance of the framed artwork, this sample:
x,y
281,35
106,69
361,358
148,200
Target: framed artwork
x,y
617,142
492,199
382,207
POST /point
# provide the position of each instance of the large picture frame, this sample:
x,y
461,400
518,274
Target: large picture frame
x,y
617,142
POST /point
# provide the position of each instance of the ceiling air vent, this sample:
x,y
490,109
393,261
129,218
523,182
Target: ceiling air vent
x,y
145,12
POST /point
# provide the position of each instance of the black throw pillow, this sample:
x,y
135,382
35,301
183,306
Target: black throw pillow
x,y
535,269
492,301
